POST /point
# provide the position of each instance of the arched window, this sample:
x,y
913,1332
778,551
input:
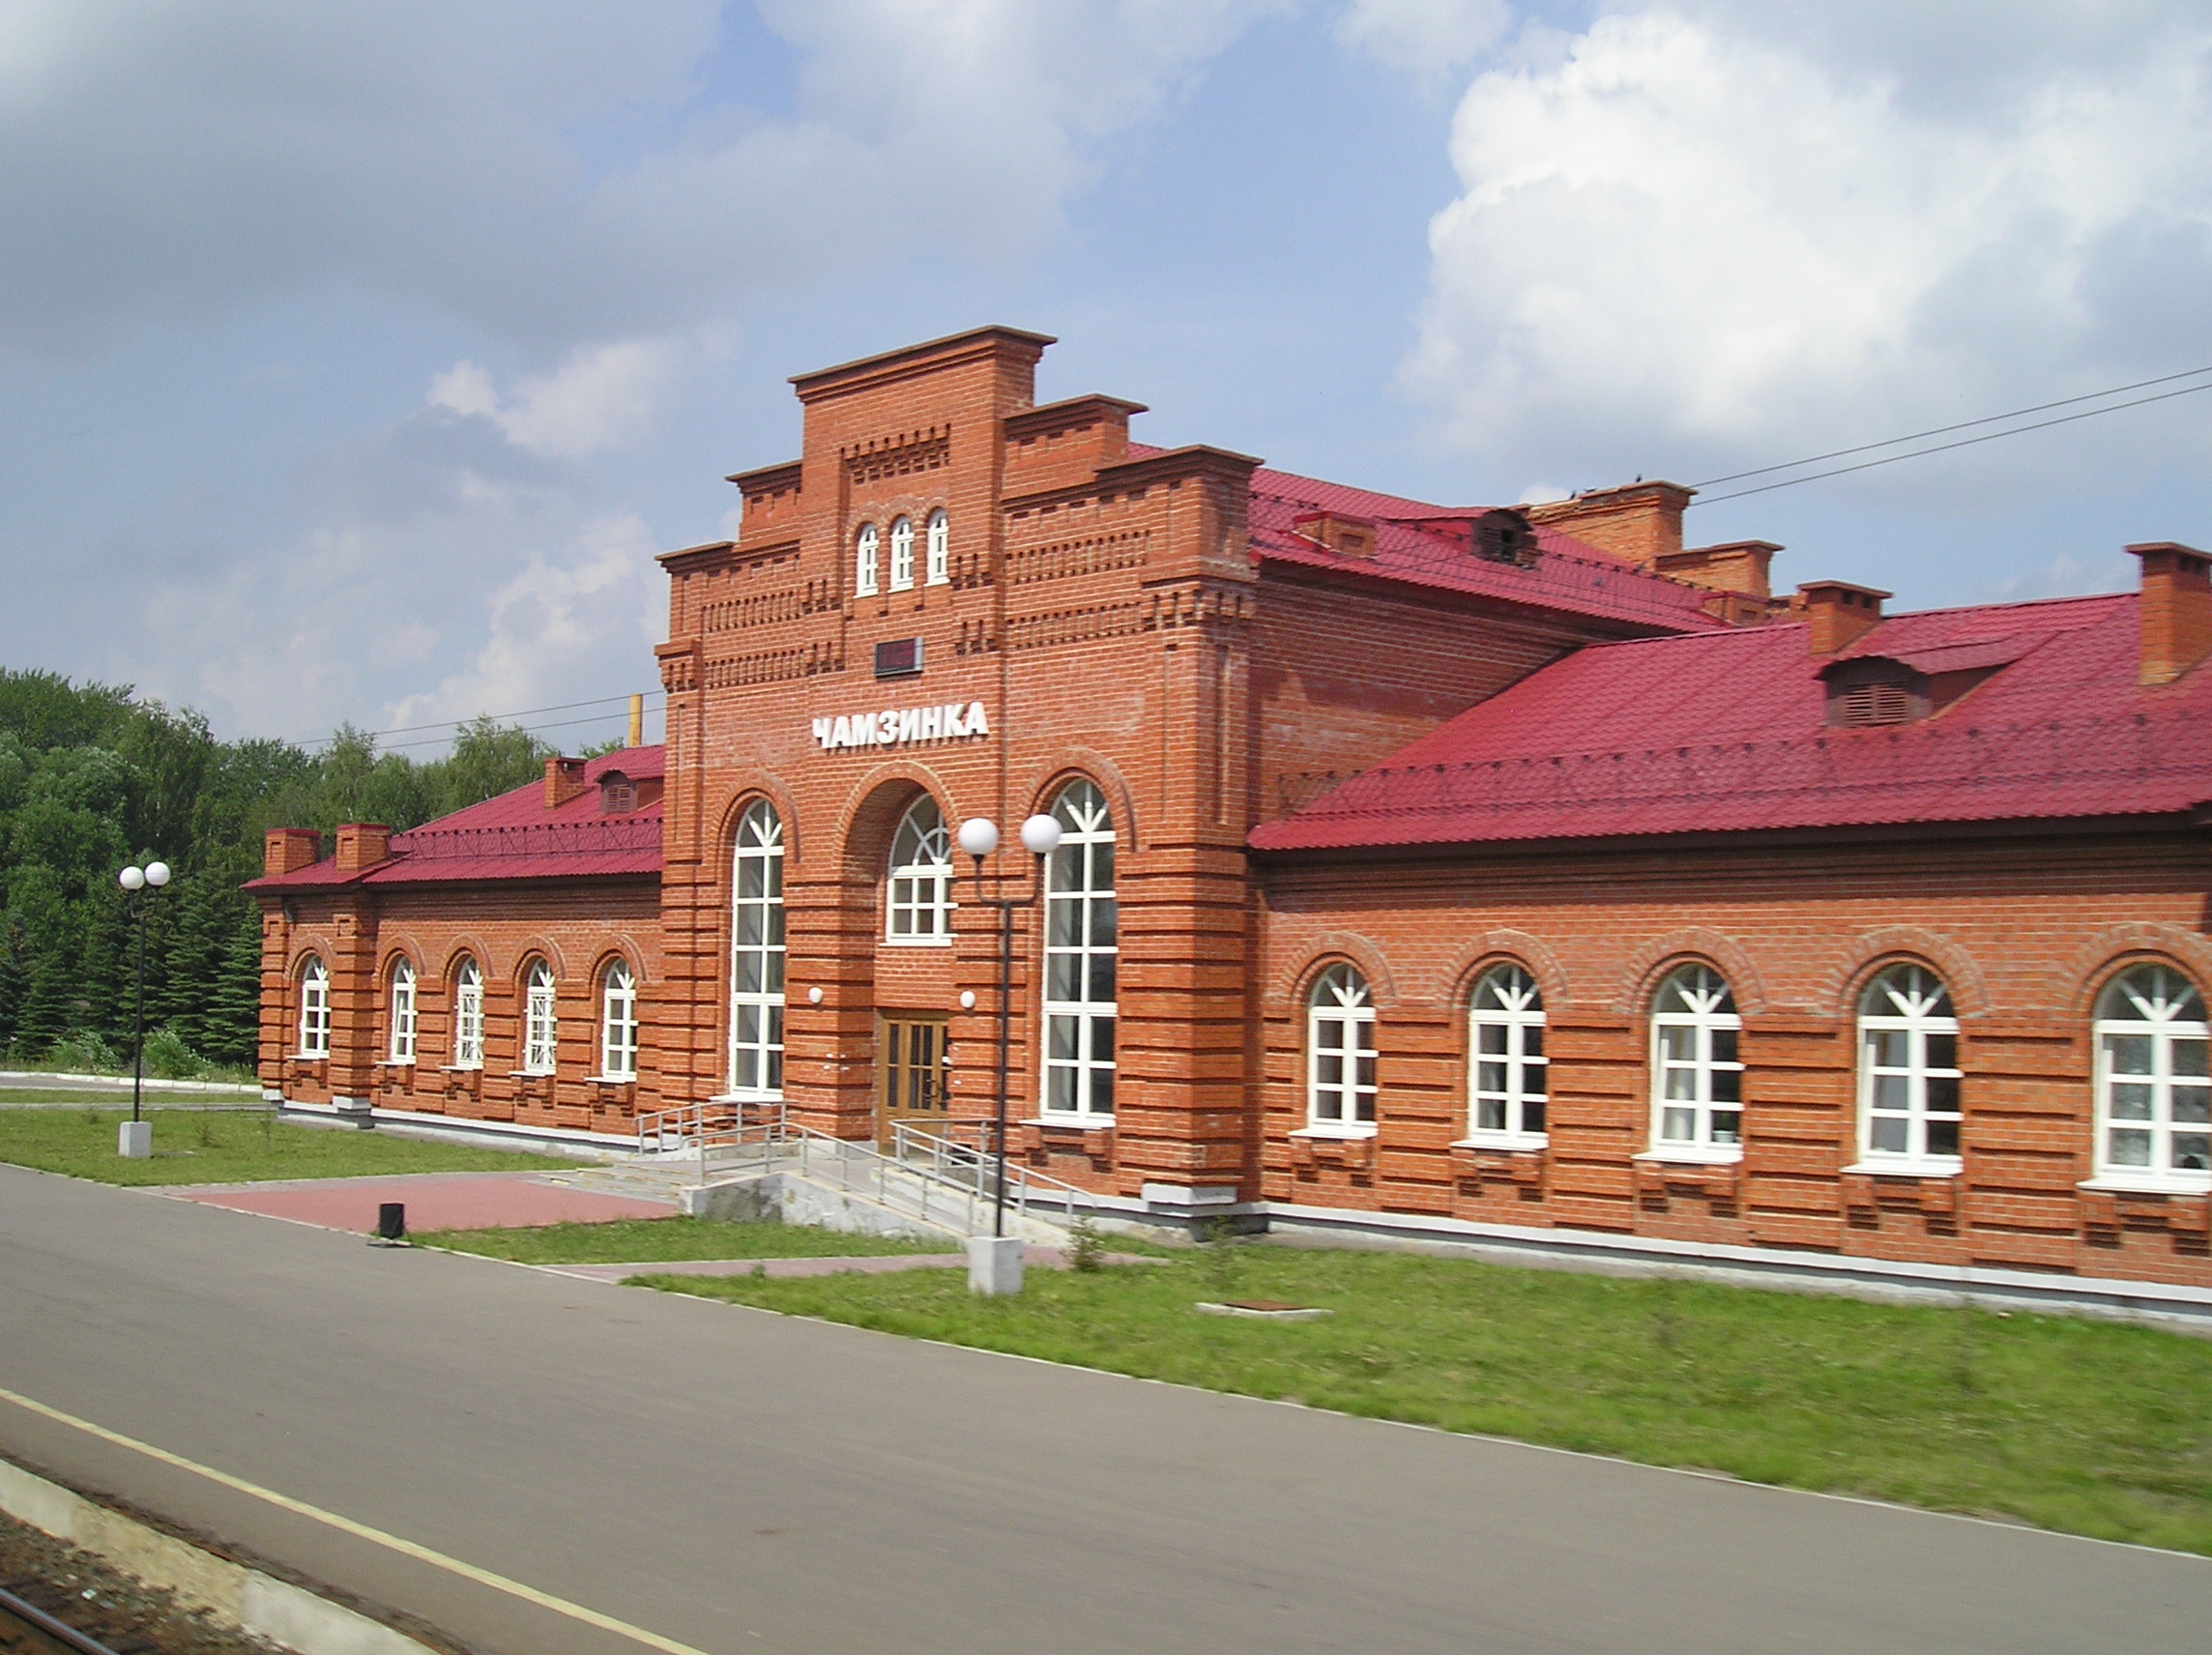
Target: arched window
x,y
1340,1051
1506,1038
1908,1069
756,955
2154,1100
940,564
400,999
314,1009
919,904
865,562
902,554
540,1024
1082,941
618,1023
468,1015
1697,1079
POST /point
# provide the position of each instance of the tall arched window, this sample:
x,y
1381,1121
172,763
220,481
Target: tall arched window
x,y
1696,1078
399,1001
314,1009
468,1015
1505,1039
1082,941
918,904
2154,1099
618,1023
540,1024
940,564
1908,1071
902,554
1340,1051
756,955
865,562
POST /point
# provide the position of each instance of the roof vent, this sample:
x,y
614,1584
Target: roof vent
x,y
618,794
1881,701
1502,537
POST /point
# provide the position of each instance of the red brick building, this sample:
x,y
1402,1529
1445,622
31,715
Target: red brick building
x,y
1501,874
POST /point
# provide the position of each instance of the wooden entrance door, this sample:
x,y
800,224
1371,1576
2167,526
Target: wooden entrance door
x,y
909,1071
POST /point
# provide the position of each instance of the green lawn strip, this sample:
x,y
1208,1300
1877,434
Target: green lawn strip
x,y
644,1240
203,1147
2089,1427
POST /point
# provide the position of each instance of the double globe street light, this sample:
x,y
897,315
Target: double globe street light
x,y
134,1139
995,1262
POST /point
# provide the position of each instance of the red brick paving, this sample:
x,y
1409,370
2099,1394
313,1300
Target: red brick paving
x,y
434,1201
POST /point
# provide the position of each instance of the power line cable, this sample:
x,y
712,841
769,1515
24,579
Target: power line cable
x,y
527,729
453,723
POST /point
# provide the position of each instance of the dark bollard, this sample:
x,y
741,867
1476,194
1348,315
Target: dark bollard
x,y
391,1223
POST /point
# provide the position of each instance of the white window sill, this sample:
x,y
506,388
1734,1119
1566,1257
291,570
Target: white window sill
x,y
1518,1142
461,1069
746,1097
1345,1132
2177,1183
1078,1122
917,942
611,1080
1688,1156
394,1063
1902,1169
530,1074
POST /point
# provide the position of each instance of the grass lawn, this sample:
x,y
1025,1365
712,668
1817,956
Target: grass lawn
x,y
202,1147
2070,1424
647,1240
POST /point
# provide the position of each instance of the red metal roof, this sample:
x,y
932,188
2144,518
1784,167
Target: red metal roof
x,y
514,837
1725,732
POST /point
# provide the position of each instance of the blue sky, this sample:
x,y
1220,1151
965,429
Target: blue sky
x,y
357,361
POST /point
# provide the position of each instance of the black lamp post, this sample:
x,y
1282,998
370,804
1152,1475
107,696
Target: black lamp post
x,y
980,837
140,885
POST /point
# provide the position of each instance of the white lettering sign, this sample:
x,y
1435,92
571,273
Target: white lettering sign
x,y
893,726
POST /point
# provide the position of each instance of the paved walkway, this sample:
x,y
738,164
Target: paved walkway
x,y
434,1201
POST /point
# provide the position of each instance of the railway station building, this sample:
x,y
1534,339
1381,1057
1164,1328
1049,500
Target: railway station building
x,y
1436,870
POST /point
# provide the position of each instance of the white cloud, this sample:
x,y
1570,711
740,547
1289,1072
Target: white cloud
x,y
1425,37
600,397
1692,244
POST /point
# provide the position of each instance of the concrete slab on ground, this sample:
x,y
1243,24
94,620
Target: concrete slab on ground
x,y
434,1201
1034,1257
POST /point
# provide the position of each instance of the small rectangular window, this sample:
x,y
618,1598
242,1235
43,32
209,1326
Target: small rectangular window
x,y
898,657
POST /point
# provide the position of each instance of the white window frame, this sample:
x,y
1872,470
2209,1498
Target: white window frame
x,y
618,1022
1689,1043
468,1014
917,890
1081,963
938,530
1340,1055
314,1009
755,1055
2168,1090
541,1019
399,1001
1909,1103
1507,1073
902,552
864,549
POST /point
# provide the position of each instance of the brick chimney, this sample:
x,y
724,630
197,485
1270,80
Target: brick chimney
x,y
362,845
564,781
1739,566
2177,609
1638,522
1337,532
288,849
1837,613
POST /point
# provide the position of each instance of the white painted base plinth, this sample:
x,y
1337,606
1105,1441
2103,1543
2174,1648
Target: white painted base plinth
x,y
134,1139
995,1263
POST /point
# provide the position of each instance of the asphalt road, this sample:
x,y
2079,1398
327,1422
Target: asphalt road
x,y
741,1482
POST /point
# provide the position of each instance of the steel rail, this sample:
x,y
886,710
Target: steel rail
x,y
39,1620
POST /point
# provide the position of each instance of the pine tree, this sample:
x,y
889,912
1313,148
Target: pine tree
x,y
234,1009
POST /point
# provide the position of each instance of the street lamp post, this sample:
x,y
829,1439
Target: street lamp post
x,y
995,1263
134,1139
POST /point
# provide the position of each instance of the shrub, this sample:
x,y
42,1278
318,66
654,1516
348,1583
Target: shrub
x,y
170,1059
85,1053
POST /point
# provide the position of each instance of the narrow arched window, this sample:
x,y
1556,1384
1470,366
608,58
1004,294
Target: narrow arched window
x,y
399,1001
1697,1076
756,954
919,908
864,561
468,1016
1340,1051
618,1023
540,1023
1505,1042
2154,1099
940,564
1082,946
314,1009
902,554
1908,1071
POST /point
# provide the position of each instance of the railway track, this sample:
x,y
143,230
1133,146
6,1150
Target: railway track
x,y
25,1629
